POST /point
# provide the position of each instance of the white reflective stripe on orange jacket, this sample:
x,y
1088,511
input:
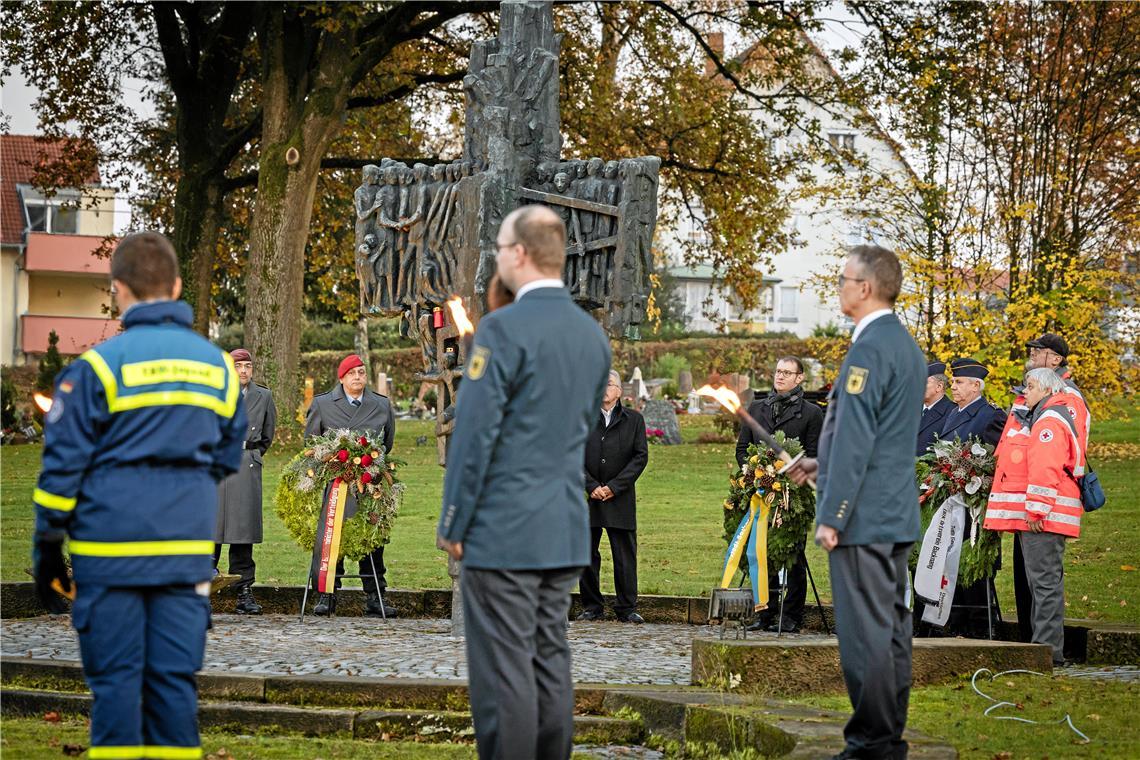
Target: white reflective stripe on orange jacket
x,y
1030,481
1052,495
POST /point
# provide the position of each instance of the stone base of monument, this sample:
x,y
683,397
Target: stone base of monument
x,y
797,666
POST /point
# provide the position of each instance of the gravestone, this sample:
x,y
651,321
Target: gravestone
x,y
684,382
660,414
424,234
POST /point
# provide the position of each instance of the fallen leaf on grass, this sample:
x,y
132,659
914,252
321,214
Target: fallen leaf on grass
x,y
51,717
74,750
1003,756
1123,603
1093,716
1127,568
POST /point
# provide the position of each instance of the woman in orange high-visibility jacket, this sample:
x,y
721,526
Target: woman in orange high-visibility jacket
x,y
1036,496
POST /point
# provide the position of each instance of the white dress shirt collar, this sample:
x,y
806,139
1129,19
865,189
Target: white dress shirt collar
x,y
859,328
550,282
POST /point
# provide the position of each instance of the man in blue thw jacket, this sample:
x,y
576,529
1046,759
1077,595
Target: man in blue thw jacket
x,y
141,429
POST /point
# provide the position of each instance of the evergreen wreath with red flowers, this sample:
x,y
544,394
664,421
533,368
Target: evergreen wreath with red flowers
x,y
358,459
966,468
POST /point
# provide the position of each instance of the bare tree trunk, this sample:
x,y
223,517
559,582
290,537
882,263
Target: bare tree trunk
x,y
198,211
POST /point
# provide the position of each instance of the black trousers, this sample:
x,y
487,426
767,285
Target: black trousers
x,y
241,562
1022,594
869,588
623,548
365,568
795,591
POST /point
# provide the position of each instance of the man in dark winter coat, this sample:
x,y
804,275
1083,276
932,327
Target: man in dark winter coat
x,y
785,409
239,495
616,455
351,405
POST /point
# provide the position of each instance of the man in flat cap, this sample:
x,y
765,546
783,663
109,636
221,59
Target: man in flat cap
x,y
239,495
351,405
935,406
974,416
1050,351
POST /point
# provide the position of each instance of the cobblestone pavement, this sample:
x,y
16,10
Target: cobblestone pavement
x,y
606,652
1125,673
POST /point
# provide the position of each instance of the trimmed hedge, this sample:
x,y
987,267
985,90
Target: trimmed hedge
x,y
756,356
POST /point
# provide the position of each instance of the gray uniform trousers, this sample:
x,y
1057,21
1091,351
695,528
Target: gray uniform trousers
x,y
869,586
1043,555
518,662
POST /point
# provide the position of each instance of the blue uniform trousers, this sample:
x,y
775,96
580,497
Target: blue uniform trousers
x,y
141,647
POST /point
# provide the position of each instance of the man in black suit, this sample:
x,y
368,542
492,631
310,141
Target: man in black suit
x,y
616,454
351,405
784,409
935,406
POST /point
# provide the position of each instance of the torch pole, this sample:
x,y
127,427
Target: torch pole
x,y
770,440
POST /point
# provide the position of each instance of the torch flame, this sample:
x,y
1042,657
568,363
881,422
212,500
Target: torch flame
x,y
459,316
43,402
722,396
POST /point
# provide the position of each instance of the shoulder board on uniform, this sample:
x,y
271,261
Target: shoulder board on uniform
x,y
377,393
259,385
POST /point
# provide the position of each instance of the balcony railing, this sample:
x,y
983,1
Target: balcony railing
x,y
74,254
76,334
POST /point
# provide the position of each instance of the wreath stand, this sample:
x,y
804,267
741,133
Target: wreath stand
x,y
310,580
783,575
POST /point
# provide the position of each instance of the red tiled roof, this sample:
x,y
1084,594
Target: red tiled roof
x,y
20,157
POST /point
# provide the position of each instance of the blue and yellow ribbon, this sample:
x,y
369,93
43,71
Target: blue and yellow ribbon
x,y
750,542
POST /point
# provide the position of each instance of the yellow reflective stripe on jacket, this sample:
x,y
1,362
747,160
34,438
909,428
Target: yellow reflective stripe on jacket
x,y
138,751
175,398
105,375
227,378
157,371
139,548
53,501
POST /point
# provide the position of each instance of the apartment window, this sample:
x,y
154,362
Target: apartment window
x,y
57,214
789,304
842,141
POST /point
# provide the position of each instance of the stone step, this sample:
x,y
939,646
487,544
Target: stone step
x,y
323,691
794,667
244,717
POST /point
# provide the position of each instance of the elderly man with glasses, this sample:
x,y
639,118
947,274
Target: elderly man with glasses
x,y
616,455
785,409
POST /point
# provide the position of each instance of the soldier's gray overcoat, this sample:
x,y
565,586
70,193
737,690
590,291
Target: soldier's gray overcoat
x,y
239,495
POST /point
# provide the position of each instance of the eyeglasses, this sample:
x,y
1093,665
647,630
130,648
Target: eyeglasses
x,y
787,373
1034,350
843,279
501,246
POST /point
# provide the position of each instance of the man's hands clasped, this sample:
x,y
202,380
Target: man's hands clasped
x,y
601,493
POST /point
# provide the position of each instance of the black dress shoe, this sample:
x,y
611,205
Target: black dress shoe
x,y
785,626
246,604
587,615
326,605
375,606
632,617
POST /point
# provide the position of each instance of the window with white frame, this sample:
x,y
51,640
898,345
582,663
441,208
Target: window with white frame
x,y
789,304
842,140
58,214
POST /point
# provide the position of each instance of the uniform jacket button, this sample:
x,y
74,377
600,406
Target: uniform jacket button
x,y
603,461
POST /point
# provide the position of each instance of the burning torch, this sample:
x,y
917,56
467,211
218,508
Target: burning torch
x,y
42,402
731,402
462,324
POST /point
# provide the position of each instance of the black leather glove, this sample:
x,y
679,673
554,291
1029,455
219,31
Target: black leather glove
x,y
50,567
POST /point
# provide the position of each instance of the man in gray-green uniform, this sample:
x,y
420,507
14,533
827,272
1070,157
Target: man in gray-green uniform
x,y
867,512
514,508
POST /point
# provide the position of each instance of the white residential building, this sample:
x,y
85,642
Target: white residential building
x,y
799,293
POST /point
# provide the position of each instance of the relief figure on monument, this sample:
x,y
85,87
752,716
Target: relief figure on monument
x,y
364,200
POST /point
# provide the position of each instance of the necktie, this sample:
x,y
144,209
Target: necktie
x,y
355,402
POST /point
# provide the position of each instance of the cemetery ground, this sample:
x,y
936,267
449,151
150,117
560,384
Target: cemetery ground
x,y
681,551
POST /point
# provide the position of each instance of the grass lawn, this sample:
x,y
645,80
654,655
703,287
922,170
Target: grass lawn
x,y
1102,711
35,738
679,508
